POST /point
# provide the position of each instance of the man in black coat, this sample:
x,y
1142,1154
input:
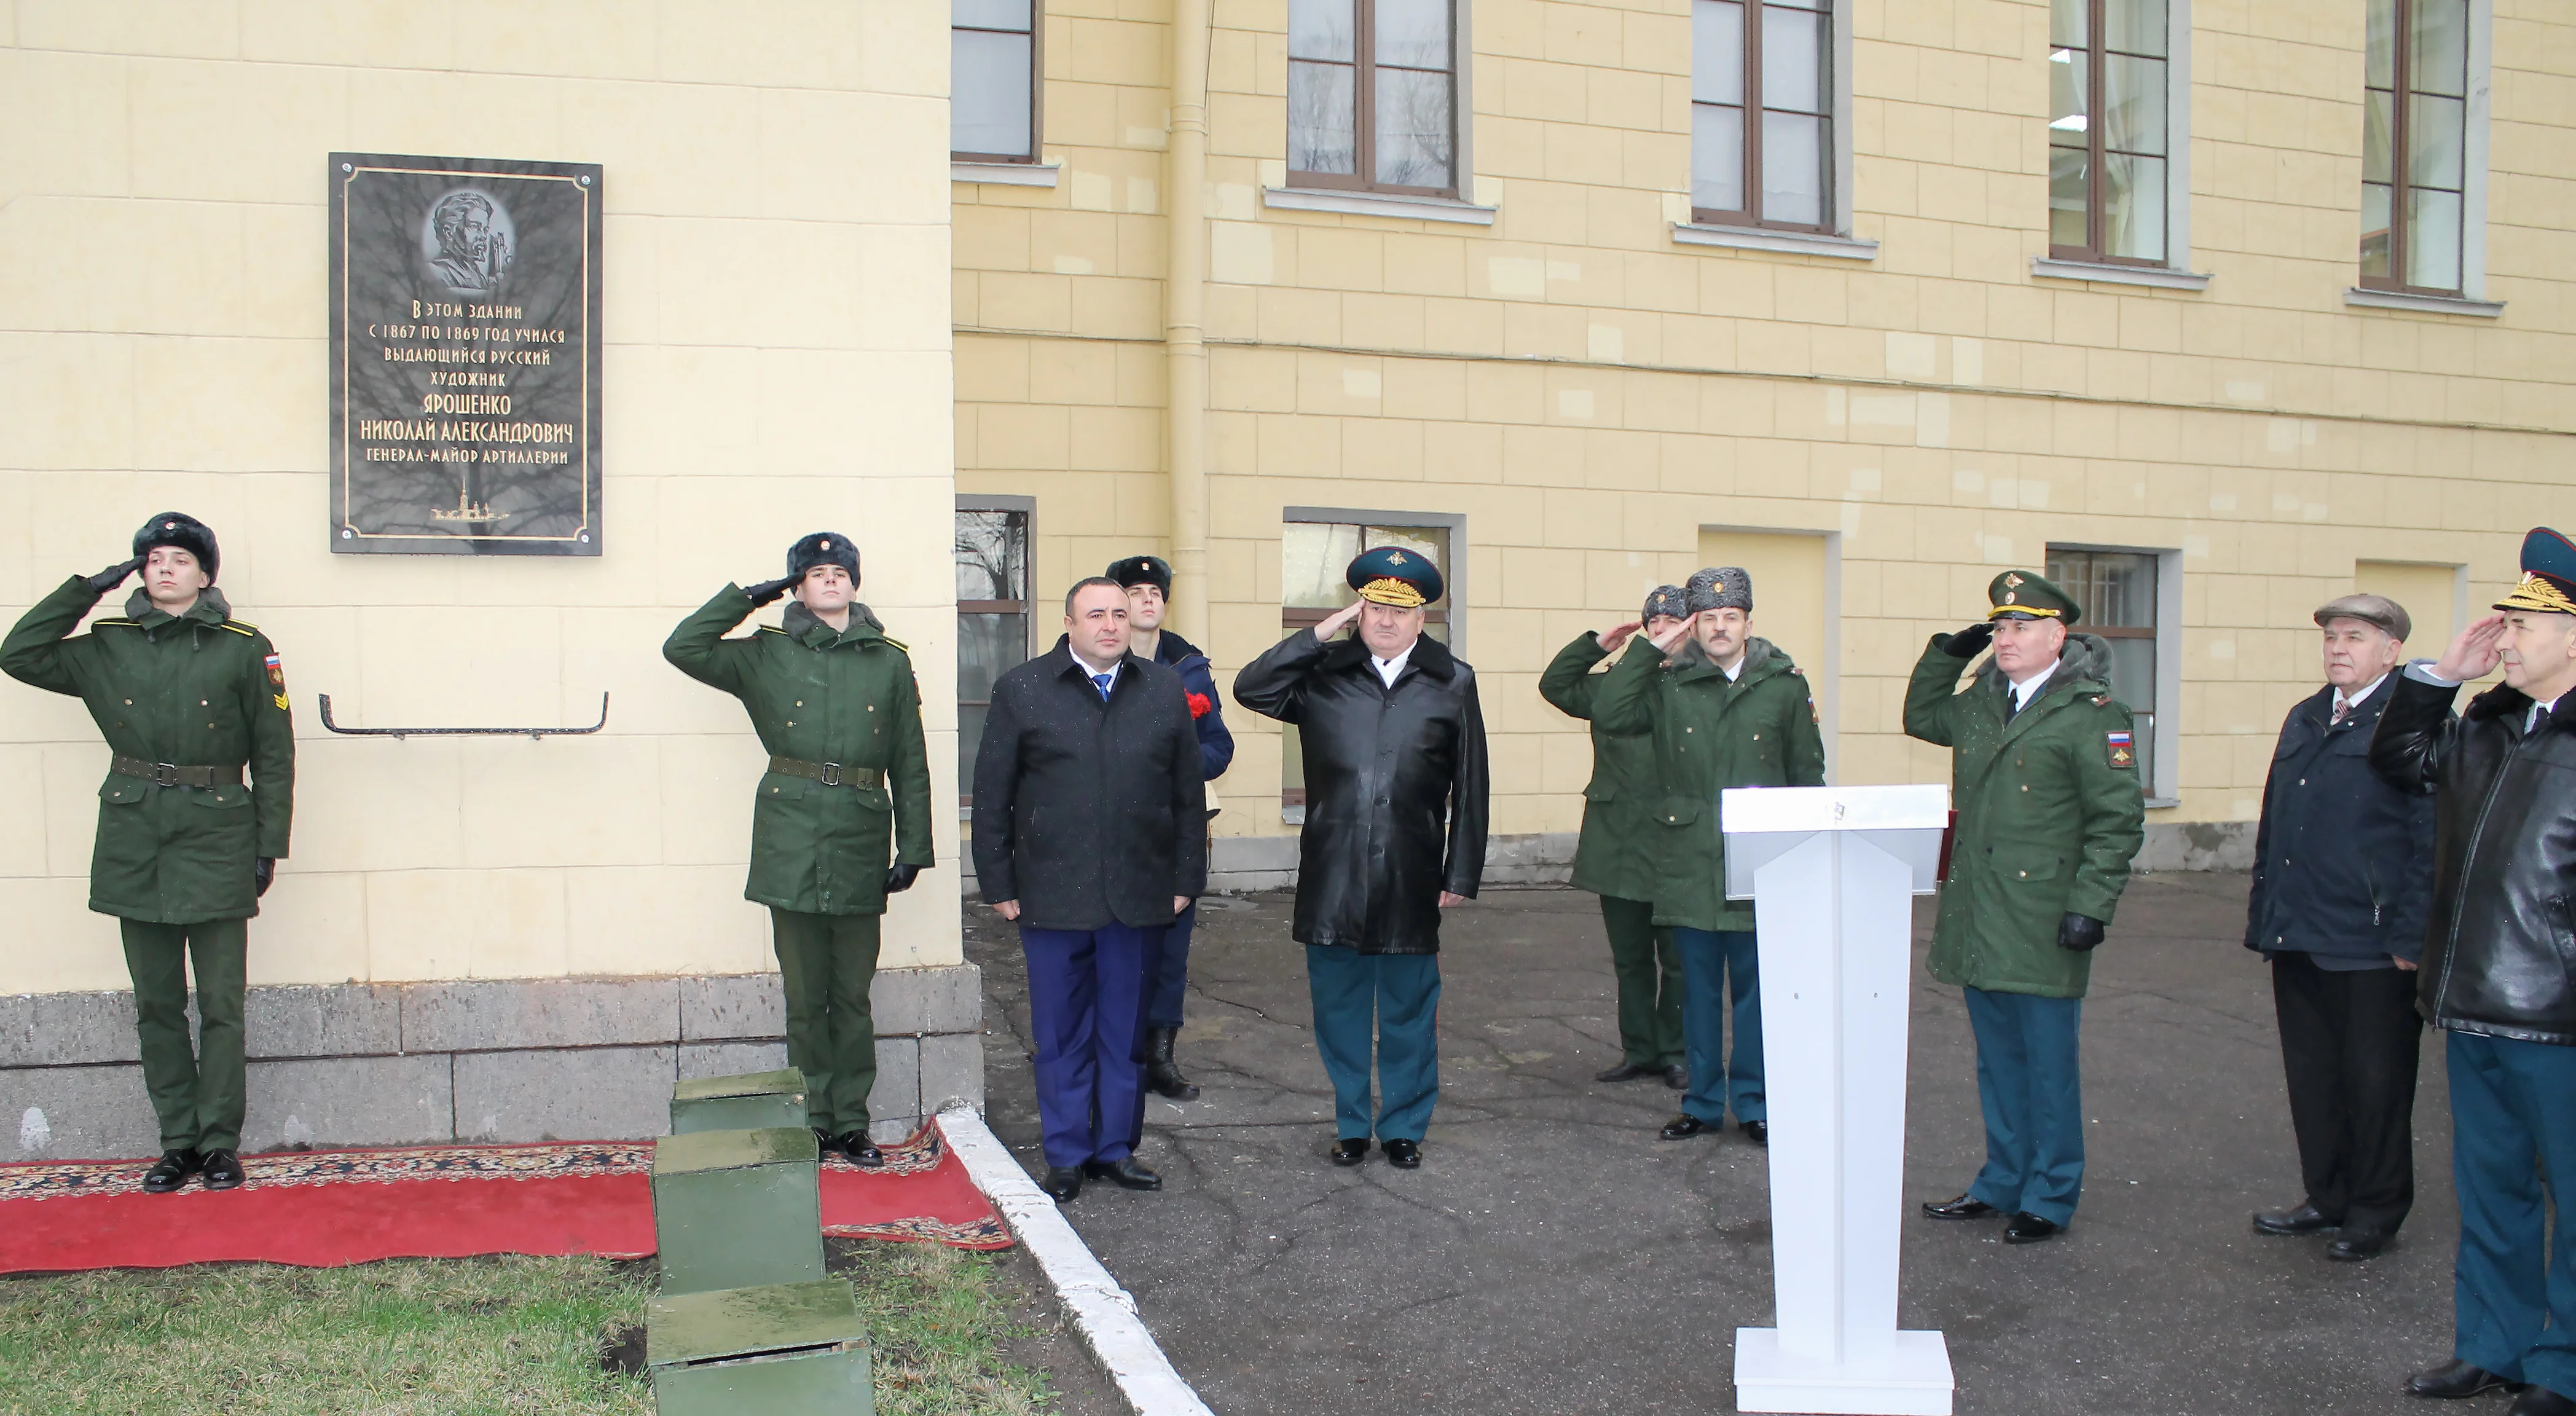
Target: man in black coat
x,y
2343,876
2499,972
1090,819
1394,743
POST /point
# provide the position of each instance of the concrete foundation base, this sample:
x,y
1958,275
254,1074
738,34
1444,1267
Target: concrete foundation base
x,y
1912,1380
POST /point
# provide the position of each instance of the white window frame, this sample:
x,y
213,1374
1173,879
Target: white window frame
x,y
1838,243
2176,273
1029,171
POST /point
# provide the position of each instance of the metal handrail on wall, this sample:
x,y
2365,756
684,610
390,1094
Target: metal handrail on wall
x,y
463,732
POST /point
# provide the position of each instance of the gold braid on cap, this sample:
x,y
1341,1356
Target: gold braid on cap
x,y
2538,592
1387,590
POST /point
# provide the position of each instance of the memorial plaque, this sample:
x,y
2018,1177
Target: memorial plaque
x,y
465,299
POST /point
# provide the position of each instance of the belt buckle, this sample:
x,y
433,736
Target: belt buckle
x,y
832,774
165,774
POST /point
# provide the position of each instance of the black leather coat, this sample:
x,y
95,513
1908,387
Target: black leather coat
x,y
1383,767
2500,949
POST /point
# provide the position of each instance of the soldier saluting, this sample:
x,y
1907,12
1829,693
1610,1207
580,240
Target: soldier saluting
x,y
834,701
2044,773
186,696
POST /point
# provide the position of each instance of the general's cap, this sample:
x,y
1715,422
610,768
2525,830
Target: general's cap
x,y
2390,616
2022,594
823,548
1392,575
1141,570
184,532
2548,575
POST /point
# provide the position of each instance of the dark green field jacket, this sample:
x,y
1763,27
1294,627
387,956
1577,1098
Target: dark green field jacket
x,y
196,690
2050,815
1614,856
821,696
1709,734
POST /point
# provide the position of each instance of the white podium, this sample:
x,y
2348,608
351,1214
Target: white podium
x,y
1830,871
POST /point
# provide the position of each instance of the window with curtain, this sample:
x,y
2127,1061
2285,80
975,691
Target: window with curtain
x,y
1372,95
2108,132
1762,122
992,621
2117,592
993,80
1314,584
2414,144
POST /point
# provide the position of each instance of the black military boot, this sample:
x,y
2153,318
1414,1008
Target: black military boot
x,y
1163,1075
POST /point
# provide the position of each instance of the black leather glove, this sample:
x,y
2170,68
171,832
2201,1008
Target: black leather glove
x,y
899,878
2078,932
769,590
113,576
1972,641
264,871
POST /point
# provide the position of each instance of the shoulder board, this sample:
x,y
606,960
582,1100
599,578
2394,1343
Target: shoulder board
x,y
773,629
127,623
1802,673
246,631
897,643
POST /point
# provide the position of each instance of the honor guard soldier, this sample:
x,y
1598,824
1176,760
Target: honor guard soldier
x,y
2044,777
848,786
1613,858
187,697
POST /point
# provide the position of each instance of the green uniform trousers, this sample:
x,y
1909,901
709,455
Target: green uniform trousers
x,y
197,1092
827,963
1649,970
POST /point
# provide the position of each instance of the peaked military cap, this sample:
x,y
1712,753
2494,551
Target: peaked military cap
x,y
2548,575
1141,570
2022,594
1392,575
823,548
184,532
1720,587
1665,600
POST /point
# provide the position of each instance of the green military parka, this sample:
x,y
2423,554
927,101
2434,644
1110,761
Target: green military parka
x,y
2050,815
817,695
1709,733
1614,856
194,690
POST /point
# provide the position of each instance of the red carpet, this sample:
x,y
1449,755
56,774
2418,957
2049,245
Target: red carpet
x,y
326,1208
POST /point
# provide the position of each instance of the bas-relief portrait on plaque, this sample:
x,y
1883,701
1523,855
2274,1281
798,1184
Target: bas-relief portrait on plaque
x,y
465,299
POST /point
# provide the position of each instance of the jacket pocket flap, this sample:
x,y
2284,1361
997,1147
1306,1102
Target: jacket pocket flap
x,y
221,797
1600,791
2033,866
778,786
122,790
1677,811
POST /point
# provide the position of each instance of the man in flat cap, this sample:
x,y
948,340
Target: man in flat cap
x,y
2499,972
1724,709
1395,832
187,697
2044,778
1148,583
1613,857
2343,877
842,819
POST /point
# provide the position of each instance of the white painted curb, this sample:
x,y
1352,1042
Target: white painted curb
x,y
1102,1312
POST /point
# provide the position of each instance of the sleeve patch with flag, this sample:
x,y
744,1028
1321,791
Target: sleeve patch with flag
x,y
276,672
2123,751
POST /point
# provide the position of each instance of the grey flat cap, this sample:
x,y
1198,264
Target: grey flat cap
x,y
2379,610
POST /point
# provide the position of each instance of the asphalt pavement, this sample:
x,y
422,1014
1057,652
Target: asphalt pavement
x,y
1552,1255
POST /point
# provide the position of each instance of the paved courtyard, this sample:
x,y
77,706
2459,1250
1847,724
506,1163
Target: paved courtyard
x,y
1552,1255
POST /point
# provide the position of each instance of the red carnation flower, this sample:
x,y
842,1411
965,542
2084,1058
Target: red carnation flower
x,y
1199,705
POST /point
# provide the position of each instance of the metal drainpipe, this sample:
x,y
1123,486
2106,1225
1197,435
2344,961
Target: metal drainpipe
x,y
1184,307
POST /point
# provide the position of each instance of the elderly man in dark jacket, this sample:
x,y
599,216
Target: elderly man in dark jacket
x,y
2499,972
1394,741
1090,819
2343,875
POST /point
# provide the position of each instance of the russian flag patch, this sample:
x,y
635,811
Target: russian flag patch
x,y
2122,750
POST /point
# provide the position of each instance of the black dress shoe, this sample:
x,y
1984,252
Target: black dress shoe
x,y
1964,1207
2359,1244
1683,1127
171,1171
1127,1171
1350,1150
824,1144
223,1170
857,1146
2306,1219
1677,1077
1624,1072
2453,1381
2541,1401
1760,1131
1062,1183
2027,1228
1403,1154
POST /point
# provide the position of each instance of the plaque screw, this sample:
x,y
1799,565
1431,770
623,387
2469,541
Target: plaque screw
x,y
585,181
345,167
347,535
585,538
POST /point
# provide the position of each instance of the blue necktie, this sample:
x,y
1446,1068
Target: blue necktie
x,y
1101,682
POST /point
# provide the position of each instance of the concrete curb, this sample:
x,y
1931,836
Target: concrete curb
x,y
1102,1312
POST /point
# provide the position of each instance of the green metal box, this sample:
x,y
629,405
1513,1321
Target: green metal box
x,y
780,1350
751,1102
738,1209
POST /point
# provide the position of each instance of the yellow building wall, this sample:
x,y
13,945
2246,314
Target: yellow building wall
x,y
1589,394
777,361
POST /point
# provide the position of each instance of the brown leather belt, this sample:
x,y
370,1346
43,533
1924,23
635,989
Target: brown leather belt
x,y
830,774
170,774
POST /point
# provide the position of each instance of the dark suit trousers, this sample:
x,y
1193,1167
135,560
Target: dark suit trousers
x,y
1087,994
2348,1044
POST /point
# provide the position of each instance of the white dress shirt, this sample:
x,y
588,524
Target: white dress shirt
x,y
2029,688
2349,701
1389,669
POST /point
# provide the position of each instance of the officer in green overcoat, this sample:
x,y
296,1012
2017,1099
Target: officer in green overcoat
x,y
1725,709
848,786
1611,857
2044,778
187,697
